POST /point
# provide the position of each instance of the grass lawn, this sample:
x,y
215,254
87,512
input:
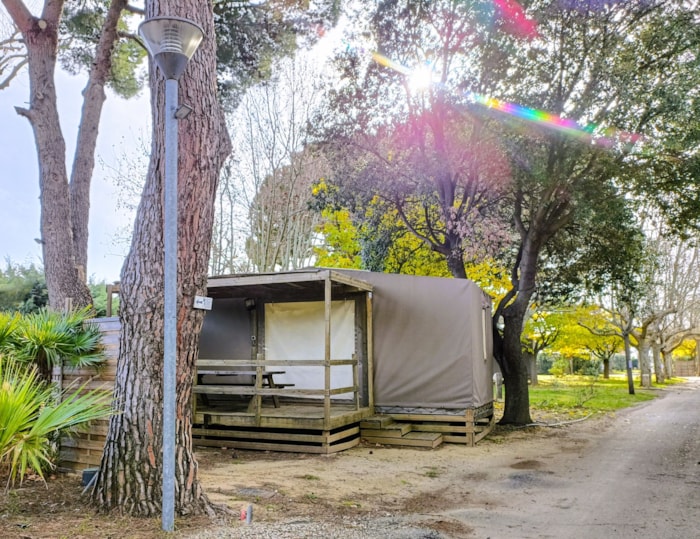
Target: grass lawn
x,y
579,396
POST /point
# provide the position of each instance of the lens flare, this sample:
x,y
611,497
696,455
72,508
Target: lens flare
x,y
590,132
514,19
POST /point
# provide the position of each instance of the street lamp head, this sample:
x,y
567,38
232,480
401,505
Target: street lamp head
x,y
171,41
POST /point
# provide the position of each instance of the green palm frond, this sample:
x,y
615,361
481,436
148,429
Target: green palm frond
x,y
31,416
8,329
47,337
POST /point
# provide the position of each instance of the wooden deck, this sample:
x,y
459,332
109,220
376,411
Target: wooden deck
x,y
287,416
292,427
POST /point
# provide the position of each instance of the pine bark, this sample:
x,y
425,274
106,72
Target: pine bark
x,y
84,161
131,470
65,283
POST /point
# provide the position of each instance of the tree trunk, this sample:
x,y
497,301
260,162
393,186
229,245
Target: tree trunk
x,y
628,359
668,363
65,283
84,161
531,360
644,365
455,263
517,403
132,464
659,370
507,347
606,368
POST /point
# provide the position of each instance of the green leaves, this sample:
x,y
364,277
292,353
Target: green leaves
x,y
8,328
48,337
31,417
33,413
22,287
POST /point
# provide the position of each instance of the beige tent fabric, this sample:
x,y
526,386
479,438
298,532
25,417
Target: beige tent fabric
x,y
432,339
432,348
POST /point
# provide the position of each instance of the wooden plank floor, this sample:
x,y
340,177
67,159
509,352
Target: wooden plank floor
x,y
287,416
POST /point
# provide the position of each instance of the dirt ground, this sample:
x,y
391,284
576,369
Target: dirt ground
x,y
368,480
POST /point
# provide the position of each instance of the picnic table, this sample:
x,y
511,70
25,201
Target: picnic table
x,y
236,377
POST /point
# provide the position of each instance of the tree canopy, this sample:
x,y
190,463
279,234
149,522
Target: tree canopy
x,y
539,121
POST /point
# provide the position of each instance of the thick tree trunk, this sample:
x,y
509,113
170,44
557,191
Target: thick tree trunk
x,y
606,368
65,283
659,369
455,263
668,364
644,364
132,465
517,403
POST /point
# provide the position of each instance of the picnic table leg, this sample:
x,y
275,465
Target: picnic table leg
x,y
271,384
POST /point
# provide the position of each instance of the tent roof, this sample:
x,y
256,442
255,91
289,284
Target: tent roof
x,y
300,284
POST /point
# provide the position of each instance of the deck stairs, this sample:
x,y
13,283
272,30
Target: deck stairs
x,y
385,430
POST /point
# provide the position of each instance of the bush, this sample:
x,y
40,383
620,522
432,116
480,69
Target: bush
x,y
588,367
544,363
46,338
33,415
560,367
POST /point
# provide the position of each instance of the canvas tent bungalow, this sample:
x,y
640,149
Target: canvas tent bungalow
x,y
307,360
311,360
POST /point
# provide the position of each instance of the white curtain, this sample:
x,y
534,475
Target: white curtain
x,y
296,331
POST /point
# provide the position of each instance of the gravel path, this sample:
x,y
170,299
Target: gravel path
x,y
347,528
631,475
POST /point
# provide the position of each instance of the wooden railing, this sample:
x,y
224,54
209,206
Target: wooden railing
x,y
259,389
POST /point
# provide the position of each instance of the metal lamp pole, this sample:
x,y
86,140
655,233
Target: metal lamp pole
x,y
171,42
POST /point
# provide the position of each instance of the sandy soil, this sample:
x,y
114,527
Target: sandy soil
x,y
368,481
383,481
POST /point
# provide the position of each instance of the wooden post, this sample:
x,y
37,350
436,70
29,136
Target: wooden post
x,y
355,382
327,353
370,352
257,399
470,424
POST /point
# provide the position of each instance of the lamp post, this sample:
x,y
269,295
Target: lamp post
x,y
171,42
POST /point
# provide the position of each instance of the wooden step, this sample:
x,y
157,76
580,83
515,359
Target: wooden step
x,y
397,430
412,439
376,422
435,427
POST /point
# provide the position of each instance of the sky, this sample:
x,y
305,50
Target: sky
x,y
122,125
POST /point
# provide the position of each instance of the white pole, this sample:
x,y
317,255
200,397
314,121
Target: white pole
x,y
170,300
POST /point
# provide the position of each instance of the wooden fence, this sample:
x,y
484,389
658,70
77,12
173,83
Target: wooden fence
x,y
685,368
84,450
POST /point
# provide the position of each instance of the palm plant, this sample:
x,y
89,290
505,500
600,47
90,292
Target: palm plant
x,y
32,414
46,338
9,322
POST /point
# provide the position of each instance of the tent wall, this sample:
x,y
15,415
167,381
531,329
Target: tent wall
x,y
432,342
227,331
